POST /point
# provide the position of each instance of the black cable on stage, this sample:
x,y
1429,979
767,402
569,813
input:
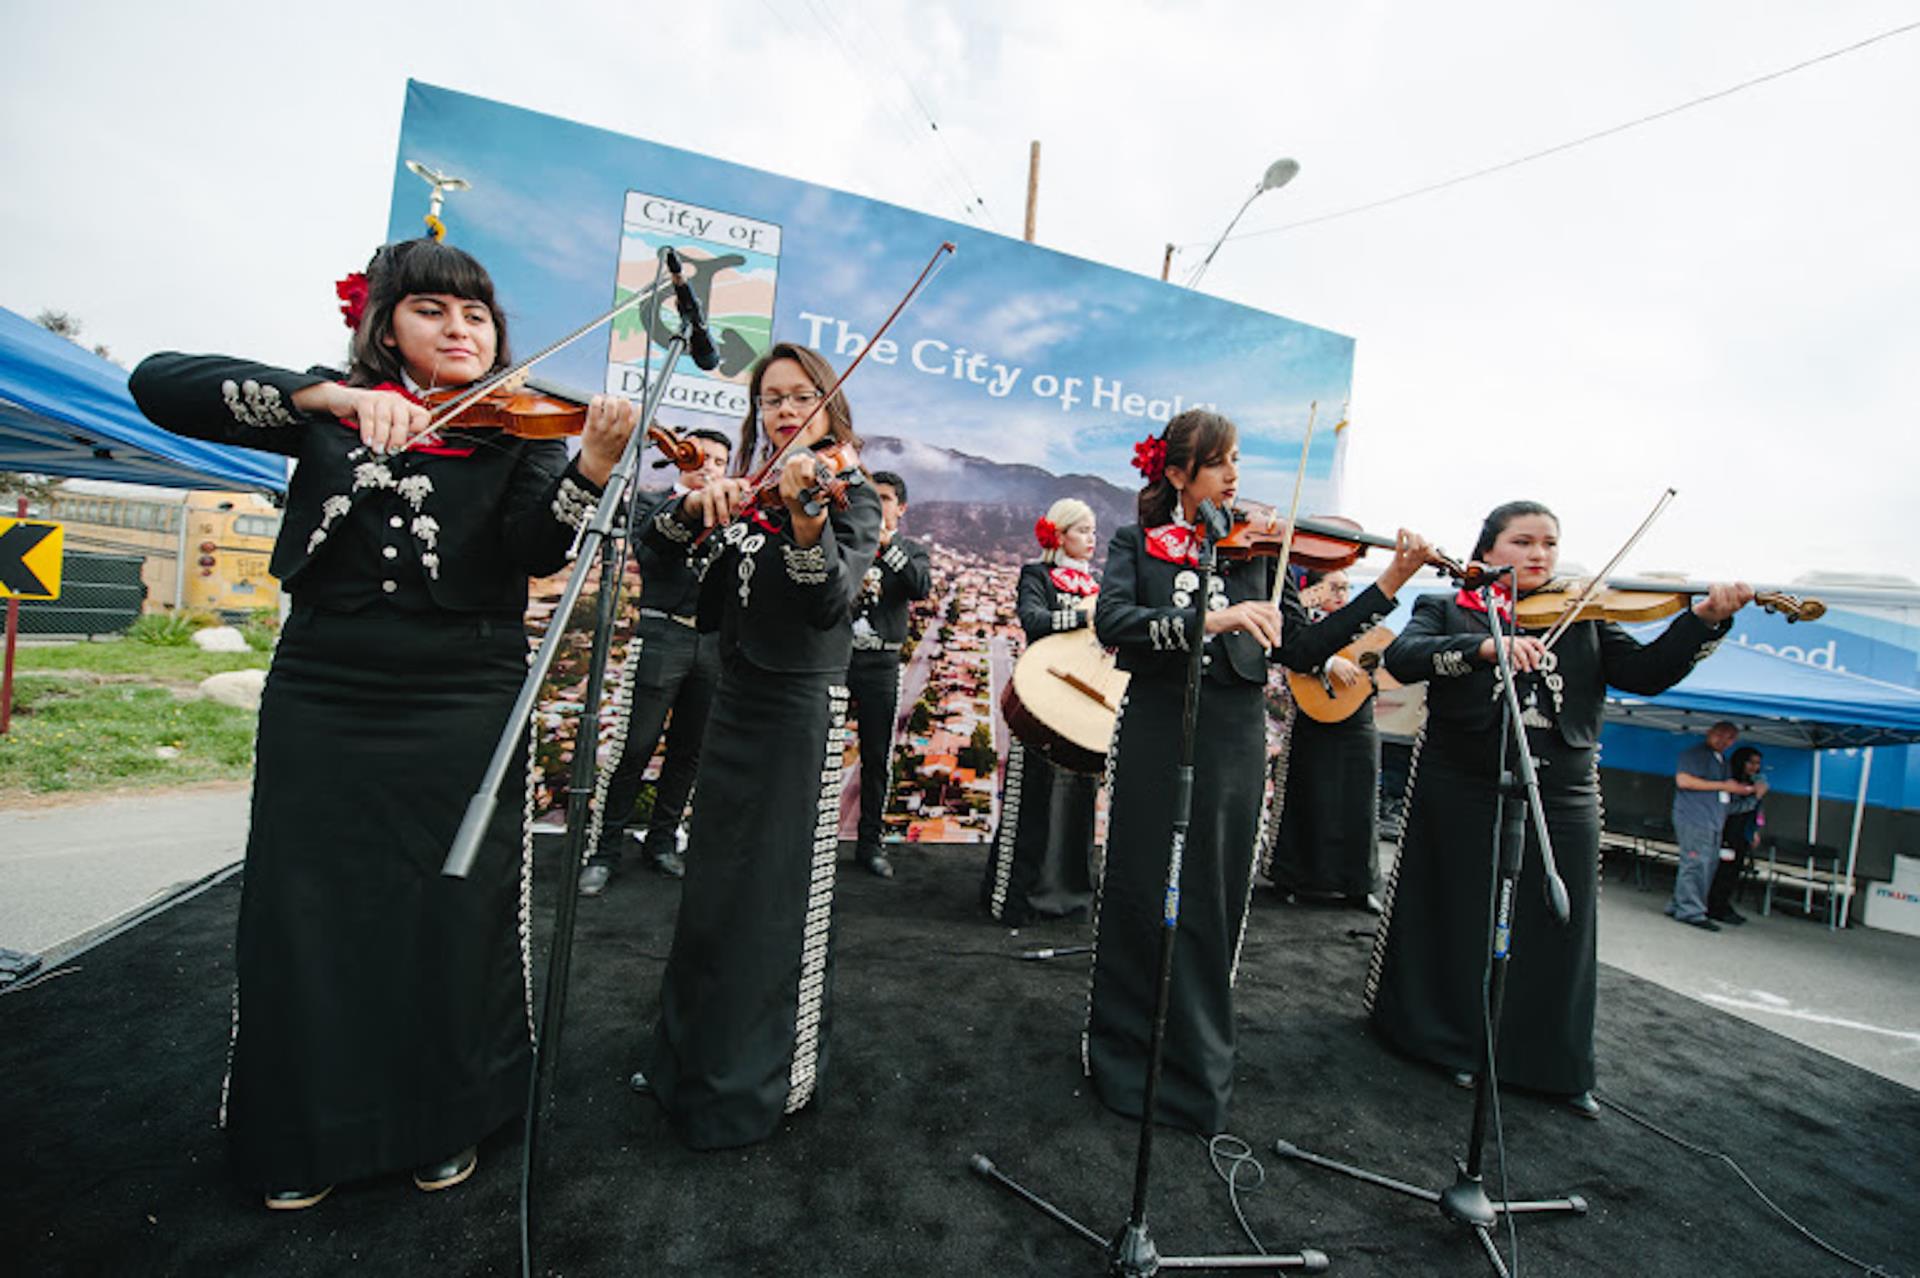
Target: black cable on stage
x,y
1759,1193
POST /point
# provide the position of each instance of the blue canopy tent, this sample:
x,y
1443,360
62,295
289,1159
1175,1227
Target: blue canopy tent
x,y
65,411
1777,701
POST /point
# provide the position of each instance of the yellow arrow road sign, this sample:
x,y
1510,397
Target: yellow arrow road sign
x,y
30,555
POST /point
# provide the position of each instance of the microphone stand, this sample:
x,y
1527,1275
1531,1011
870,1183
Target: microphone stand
x,y
1465,1202
1131,1253
593,541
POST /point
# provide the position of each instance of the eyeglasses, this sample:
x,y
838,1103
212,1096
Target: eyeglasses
x,y
802,400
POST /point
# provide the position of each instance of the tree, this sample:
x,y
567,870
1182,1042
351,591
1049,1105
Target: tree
x,y
978,753
66,324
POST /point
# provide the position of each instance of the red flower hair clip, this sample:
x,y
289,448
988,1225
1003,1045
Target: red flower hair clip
x,y
1150,457
352,292
1046,534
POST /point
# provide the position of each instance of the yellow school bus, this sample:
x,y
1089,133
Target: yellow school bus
x,y
203,551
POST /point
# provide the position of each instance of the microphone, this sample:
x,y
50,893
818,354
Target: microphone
x,y
1215,522
699,340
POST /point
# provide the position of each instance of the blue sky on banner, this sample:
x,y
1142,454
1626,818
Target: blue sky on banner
x,y
1015,352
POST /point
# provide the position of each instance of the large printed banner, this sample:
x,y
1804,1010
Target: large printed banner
x,y
1021,375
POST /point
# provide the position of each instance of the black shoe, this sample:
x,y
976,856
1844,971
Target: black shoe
x,y
878,864
593,879
1729,916
1583,1104
296,1199
669,864
637,1081
448,1172
1704,923
1462,1080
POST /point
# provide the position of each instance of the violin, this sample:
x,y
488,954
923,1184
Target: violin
x,y
525,409
1324,543
1628,600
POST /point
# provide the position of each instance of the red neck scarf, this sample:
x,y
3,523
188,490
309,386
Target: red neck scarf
x,y
1471,601
1073,581
1173,543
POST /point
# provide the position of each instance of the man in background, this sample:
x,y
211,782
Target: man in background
x,y
900,575
1702,791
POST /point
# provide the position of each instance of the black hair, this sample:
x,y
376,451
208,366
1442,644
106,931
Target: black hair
x,y
1736,766
399,271
838,412
717,436
1194,439
892,481
1500,516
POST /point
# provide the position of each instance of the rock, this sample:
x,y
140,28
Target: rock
x,y
165,752
220,639
235,688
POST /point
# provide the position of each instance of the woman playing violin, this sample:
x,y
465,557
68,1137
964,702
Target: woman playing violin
x,y
1040,861
1147,609
1430,950
742,1038
381,1015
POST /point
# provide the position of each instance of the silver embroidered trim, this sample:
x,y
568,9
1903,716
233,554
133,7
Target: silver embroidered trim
x,y
572,504
1377,961
805,566
1100,885
233,1041
818,929
670,528
415,488
1450,664
1168,634
1067,618
1009,832
253,404
426,530
331,509
525,912
1267,834
372,474
1705,651
895,558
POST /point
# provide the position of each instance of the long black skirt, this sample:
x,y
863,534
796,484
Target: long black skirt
x,y
381,1016
1040,863
1216,879
746,1000
1431,947
1328,835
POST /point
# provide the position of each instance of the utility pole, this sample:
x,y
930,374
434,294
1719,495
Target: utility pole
x,y
1033,187
1166,264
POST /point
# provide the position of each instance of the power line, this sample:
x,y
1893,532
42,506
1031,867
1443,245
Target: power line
x,y
1564,146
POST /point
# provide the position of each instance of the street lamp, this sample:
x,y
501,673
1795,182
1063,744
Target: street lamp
x,y
1278,174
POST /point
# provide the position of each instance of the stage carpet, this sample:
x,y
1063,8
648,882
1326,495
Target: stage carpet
x,y
945,1045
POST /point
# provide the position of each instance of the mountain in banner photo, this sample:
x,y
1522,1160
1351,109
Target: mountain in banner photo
x,y
984,507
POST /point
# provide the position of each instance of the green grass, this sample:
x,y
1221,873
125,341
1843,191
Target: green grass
x,y
119,657
73,734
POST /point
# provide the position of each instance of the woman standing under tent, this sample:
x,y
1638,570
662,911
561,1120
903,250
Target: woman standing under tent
x,y
1039,865
745,1002
1425,984
382,1013
1146,610
1739,837
1327,836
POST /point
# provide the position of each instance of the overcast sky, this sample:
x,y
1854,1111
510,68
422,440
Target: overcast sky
x,y
1726,300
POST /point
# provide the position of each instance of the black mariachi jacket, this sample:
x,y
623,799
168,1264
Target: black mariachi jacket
x,y
899,575
1044,608
472,529
670,582
1146,612
1441,644
783,607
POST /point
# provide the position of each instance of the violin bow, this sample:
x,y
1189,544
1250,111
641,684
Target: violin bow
x,y
1599,581
934,265
1293,511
